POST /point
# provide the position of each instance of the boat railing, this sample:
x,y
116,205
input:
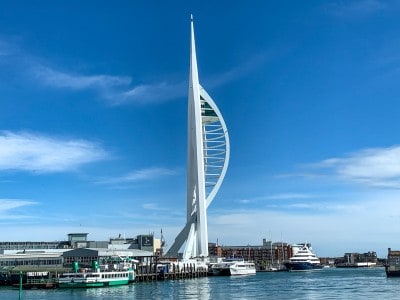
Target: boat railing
x,y
41,280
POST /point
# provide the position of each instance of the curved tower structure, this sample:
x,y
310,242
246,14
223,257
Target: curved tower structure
x,y
207,161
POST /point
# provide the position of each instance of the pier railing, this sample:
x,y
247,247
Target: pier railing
x,y
150,272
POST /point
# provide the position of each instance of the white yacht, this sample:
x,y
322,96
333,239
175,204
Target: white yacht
x,y
303,259
233,266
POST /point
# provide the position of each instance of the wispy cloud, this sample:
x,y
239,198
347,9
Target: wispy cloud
x,y
8,50
159,92
290,196
8,204
243,69
8,207
138,175
378,167
283,196
149,93
155,207
59,79
356,9
240,228
116,90
38,153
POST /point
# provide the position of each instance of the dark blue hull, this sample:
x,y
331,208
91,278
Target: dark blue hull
x,y
302,266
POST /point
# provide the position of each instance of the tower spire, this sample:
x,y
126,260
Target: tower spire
x,y
207,161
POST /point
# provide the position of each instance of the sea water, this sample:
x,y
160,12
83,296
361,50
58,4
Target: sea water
x,y
362,283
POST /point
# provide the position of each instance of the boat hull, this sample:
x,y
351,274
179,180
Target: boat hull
x,y
235,272
97,279
85,284
392,271
221,272
302,266
232,267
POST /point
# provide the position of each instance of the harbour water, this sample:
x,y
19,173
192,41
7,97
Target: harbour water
x,y
362,283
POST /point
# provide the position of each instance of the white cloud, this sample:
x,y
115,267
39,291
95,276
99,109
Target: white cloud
x,y
117,90
148,93
365,225
154,207
8,204
289,196
38,153
378,167
242,69
283,196
139,175
60,79
8,207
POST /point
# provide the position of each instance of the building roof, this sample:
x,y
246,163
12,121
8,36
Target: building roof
x,y
35,255
107,252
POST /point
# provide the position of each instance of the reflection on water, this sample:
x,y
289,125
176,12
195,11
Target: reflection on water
x,y
324,284
174,289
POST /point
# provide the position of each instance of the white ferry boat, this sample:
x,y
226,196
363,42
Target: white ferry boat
x,y
233,267
303,259
120,275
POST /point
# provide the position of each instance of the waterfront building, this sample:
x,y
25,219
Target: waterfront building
x,y
264,256
28,245
357,259
85,256
52,254
207,161
79,240
31,260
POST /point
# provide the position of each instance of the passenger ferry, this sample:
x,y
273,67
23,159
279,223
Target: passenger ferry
x,y
96,277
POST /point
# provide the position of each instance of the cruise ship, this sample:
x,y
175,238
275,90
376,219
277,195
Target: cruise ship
x,y
303,259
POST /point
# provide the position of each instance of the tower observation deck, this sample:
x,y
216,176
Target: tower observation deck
x,y
207,161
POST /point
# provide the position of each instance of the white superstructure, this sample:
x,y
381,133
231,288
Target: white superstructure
x,y
303,253
233,267
303,258
207,162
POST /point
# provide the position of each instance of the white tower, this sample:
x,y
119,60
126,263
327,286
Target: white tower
x,y
207,161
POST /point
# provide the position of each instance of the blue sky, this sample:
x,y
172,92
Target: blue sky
x,y
94,110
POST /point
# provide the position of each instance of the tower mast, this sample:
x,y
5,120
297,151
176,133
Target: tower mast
x,y
207,160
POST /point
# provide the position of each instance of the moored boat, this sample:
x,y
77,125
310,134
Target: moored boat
x,y
120,275
392,266
303,259
233,267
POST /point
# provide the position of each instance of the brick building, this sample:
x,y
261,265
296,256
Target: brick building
x,y
264,256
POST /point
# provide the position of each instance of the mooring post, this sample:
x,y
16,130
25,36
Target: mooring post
x,y
20,285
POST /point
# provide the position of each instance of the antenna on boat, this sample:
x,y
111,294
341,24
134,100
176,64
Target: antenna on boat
x,y
162,239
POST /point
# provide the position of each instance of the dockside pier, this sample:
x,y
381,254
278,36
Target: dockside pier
x,y
48,279
151,273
